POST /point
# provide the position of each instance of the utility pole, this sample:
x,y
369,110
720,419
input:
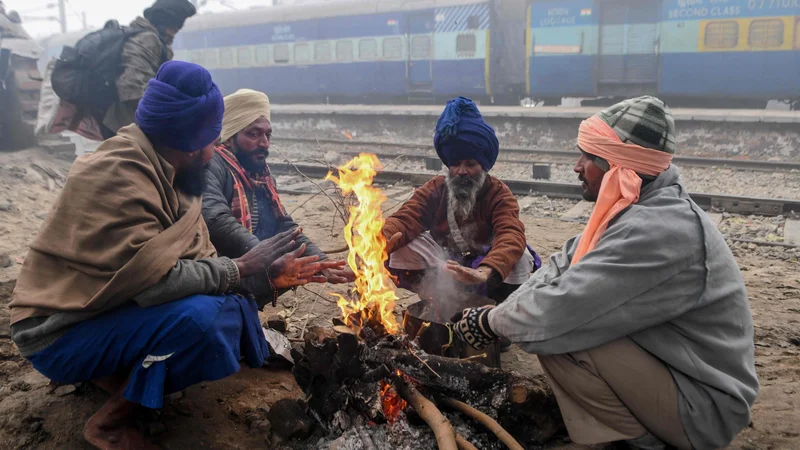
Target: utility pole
x,y
62,15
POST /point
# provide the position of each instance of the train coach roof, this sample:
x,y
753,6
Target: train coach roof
x,y
291,13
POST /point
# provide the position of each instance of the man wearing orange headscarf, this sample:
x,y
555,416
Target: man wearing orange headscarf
x,y
642,323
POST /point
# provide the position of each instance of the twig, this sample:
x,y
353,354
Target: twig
x,y
484,420
329,300
304,203
308,317
445,436
424,363
311,180
482,355
464,444
400,202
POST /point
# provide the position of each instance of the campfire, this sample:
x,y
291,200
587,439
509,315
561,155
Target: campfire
x,y
370,371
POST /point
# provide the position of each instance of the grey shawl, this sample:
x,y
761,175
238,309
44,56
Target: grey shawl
x,y
663,276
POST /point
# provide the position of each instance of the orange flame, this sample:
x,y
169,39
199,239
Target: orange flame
x,y
392,403
367,245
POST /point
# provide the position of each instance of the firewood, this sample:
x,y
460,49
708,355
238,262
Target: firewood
x,y
463,378
445,436
464,444
484,420
330,370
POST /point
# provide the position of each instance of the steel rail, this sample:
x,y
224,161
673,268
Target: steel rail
x,y
686,161
707,201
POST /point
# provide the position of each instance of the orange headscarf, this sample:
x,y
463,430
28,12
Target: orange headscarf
x,y
621,184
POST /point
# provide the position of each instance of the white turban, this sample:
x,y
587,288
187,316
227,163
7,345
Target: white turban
x,y
242,108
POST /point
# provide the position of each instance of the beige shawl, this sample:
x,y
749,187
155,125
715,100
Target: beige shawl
x,y
117,228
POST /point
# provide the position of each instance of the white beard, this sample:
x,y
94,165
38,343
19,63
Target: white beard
x,y
460,198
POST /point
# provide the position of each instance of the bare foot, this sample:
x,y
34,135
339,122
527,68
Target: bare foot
x,y
111,427
125,437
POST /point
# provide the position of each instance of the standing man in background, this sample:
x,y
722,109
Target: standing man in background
x,y
142,55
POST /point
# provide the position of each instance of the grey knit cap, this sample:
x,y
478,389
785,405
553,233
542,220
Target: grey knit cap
x,y
645,121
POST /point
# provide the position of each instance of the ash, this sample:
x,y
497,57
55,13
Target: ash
x,y
407,433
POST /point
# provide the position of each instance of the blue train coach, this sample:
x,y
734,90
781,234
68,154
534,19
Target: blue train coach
x,y
386,50
704,52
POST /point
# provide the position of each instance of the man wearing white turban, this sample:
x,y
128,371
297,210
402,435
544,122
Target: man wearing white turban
x,y
240,202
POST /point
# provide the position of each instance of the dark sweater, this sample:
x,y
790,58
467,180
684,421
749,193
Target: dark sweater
x,y
229,237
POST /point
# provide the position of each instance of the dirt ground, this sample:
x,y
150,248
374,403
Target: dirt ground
x,y
226,414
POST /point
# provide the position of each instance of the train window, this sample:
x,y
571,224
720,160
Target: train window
x,y
262,55
797,34
226,58
212,58
322,52
196,56
421,47
473,22
344,51
302,53
393,48
244,57
766,33
367,49
722,34
466,45
280,54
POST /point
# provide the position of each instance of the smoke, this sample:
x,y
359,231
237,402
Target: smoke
x,y
446,295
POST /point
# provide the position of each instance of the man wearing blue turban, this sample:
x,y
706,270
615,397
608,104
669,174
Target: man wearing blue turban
x,y
122,285
466,222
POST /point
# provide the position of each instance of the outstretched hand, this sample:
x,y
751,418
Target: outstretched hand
x,y
340,274
292,270
391,242
260,257
472,326
468,275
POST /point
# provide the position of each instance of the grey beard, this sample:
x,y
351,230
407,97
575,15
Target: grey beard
x,y
461,198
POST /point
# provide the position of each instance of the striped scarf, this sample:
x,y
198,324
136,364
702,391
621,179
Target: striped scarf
x,y
243,180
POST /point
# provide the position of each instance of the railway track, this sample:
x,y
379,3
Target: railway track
x,y
707,201
566,156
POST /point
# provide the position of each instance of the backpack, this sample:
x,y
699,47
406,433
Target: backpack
x,y
86,75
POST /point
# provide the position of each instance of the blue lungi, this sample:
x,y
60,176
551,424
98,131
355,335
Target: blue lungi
x,y
165,348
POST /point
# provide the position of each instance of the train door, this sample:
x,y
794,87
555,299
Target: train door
x,y
629,41
420,55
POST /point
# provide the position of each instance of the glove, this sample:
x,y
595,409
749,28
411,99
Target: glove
x,y
472,327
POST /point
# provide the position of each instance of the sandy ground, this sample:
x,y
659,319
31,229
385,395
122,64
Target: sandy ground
x,y
218,415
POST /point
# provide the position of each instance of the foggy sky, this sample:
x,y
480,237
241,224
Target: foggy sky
x,y
97,12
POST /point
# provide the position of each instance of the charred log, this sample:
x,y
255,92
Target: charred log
x,y
341,372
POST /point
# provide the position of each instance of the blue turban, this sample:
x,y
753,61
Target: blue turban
x,y
462,134
182,108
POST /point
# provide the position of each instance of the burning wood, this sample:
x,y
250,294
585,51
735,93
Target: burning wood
x,y
370,368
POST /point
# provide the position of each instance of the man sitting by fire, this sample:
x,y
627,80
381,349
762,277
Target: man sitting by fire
x,y
240,203
466,222
642,323
122,285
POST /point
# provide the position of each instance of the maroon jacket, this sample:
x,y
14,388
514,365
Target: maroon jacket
x,y
493,222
